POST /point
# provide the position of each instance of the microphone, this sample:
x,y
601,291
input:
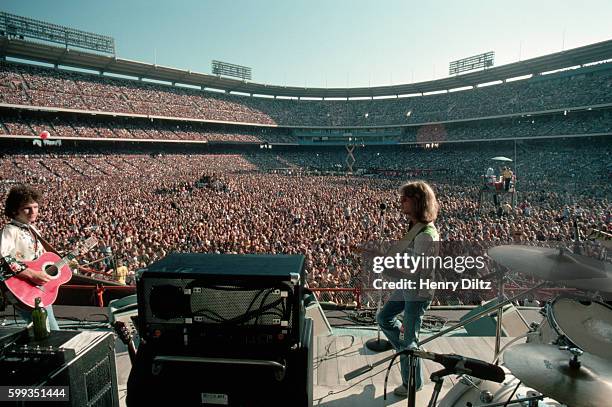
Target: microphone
x,y
462,365
383,206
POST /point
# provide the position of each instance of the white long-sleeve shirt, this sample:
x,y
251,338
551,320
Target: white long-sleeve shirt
x,y
17,244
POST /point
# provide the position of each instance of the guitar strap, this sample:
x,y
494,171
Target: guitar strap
x,y
45,244
405,241
413,232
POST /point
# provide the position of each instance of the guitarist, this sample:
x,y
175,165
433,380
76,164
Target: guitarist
x,y
419,203
20,241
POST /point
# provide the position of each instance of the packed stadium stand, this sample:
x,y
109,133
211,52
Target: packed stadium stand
x,y
134,155
85,126
39,86
148,204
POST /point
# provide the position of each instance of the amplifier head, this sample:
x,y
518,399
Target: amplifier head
x,y
199,299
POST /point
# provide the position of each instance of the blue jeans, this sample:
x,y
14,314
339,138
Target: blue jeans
x,y
26,314
403,300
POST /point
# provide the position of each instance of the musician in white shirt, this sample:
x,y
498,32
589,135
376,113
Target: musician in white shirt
x,y
19,243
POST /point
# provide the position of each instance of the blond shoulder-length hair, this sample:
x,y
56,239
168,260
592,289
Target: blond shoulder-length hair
x,y
426,204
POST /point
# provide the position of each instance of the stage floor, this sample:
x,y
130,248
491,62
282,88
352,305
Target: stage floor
x,y
339,353
344,351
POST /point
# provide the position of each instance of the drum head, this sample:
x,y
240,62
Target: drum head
x,y
587,324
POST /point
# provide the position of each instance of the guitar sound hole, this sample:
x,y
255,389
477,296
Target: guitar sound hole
x,y
51,270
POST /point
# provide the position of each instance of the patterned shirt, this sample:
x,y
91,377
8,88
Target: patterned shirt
x,y
17,244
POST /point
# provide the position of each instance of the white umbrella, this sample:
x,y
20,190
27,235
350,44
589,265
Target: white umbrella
x,y
501,159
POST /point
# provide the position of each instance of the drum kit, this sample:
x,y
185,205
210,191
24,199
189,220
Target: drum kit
x,y
567,358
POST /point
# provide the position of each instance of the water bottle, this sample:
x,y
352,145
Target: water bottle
x,y
40,320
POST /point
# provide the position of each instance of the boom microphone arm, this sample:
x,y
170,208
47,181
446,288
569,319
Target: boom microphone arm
x,y
463,365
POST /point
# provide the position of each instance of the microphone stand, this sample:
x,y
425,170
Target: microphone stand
x,y
379,344
453,364
412,361
577,237
364,369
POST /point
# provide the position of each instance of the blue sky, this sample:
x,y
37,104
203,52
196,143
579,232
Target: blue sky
x,y
333,43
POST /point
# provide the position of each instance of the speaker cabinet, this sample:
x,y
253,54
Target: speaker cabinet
x,y
160,379
82,360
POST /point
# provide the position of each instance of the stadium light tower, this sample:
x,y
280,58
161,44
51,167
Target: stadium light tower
x,y
227,69
15,26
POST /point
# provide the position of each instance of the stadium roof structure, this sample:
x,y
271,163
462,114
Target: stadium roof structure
x,y
11,47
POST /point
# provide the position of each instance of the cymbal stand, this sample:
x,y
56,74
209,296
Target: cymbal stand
x,y
500,313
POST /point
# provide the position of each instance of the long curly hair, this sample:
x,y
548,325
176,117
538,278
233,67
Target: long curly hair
x,y
19,196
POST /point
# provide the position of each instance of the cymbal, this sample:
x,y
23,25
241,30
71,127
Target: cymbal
x,y
562,266
546,368
587,324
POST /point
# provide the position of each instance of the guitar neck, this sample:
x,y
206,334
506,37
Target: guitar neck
x,y
88,245
64,261
122,331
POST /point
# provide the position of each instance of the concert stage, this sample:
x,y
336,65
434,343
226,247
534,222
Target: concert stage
x,y
344,351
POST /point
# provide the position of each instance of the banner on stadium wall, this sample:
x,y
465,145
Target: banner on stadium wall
x,y
40,143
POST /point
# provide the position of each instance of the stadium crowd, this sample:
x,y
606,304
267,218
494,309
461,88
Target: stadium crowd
x,y
573,123
80,126
144,206
22,84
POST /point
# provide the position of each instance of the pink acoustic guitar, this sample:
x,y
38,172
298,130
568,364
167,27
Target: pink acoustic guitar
x,y
55,267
